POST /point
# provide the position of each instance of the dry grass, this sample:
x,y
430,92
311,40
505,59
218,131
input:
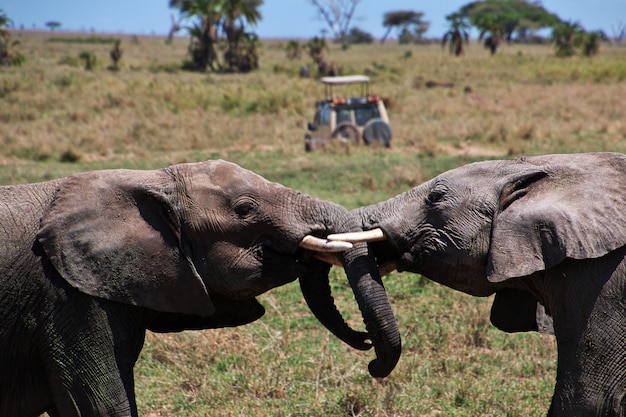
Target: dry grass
x,y
522,101
56,118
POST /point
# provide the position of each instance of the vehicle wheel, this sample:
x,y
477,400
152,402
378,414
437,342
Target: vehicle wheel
x,y
377,131
346,133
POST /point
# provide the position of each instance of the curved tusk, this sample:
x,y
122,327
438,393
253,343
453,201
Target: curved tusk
x,y
373,235
323,245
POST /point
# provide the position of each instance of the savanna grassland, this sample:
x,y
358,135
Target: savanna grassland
x,y
56,118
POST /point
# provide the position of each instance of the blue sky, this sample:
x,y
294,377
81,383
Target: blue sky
x,y
280,18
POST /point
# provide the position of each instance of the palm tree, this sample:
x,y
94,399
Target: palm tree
x,y
492,30
202,47
89,58
567,36
247,55
457,36
8,55
116,54
4,19
317,47
293,49
217,22
591,42
240,44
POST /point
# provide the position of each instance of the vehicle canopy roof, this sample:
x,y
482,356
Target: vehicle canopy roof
x,y
330,82
345,79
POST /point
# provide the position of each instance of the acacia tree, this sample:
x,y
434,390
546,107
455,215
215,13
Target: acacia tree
x,y
221,25
53,25
337,14
514,16
402,20
458,34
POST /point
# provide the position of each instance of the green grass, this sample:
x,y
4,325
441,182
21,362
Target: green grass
x,y
57,119
453,363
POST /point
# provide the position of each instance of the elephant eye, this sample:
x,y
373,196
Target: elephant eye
x,y
245,208
436,195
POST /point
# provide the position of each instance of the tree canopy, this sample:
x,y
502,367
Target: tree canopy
x,y
53,24
403,20
512,16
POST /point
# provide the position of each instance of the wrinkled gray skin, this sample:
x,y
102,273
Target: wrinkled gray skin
x,y
89,262
545,234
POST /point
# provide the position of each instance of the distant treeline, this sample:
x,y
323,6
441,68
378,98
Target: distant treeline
x,y
90,40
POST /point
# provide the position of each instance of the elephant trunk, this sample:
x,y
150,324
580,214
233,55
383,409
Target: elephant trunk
x,y
317,294
370,295
374,305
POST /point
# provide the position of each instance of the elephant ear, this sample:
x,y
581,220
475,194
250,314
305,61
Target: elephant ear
x,y
573,209
114,235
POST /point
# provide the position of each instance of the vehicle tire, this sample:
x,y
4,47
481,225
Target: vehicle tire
x,y
346,133
377,131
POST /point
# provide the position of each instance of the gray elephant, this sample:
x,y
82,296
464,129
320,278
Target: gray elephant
x,y
547,235
89,262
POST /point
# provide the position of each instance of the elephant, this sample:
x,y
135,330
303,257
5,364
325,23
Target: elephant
x,y
547,235
90,261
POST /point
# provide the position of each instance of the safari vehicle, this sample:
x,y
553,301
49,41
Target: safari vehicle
x,y
352,120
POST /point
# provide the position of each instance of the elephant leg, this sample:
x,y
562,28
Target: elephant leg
x,y
91,359
591,375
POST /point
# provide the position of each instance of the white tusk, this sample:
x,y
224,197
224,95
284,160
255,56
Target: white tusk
x,y
323,245
373,235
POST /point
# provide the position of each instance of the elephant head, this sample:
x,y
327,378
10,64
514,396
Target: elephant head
x,y
184,239
483,224
547,235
